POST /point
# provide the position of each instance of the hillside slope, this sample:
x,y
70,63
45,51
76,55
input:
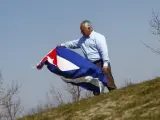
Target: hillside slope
x,y
135,102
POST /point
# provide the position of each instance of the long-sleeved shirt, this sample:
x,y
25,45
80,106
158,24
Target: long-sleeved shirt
x,y
93,47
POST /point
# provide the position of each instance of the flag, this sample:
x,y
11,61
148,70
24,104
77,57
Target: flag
x,y
74,68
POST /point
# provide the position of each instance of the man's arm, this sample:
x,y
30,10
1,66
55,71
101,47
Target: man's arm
x,y
71,44
103,49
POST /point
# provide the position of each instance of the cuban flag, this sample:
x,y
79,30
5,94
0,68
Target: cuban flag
x,y
74,69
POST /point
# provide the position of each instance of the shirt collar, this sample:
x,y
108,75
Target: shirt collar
x,y
92,34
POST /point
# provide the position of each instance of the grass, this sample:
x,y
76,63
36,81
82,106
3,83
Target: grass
x,y
134,102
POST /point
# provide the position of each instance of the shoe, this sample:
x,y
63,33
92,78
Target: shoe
x,y
96,93
110,89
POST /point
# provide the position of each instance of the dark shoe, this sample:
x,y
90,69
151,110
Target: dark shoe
x,y
96,93
110,89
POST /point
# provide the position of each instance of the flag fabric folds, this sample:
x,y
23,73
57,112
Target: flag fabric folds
x,y
74,69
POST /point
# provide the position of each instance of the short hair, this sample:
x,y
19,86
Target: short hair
x,y
87,24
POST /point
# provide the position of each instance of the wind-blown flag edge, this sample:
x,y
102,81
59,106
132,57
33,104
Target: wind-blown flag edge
x,y
52,63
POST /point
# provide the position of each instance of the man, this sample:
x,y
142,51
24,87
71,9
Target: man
x,y
94,48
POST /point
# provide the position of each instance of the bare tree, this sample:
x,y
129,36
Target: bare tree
x,y
10,103
58,97
88,94
155,23
128,82
155,29
1,88
54,98
75,92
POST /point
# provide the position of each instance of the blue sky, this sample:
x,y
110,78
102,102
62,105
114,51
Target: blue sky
x,y
31,28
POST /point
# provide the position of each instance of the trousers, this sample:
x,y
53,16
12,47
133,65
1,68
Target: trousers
x,y
110,80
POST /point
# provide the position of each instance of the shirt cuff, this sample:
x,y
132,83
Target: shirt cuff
x,y
105,64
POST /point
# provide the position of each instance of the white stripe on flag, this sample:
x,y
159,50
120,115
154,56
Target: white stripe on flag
x,y
87,79
65,65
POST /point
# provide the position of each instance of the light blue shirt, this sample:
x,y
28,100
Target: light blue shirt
x,y
94,47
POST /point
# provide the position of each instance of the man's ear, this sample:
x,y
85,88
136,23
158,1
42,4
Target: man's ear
x,y
89,28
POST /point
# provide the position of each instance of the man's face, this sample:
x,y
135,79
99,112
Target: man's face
x,y
85,31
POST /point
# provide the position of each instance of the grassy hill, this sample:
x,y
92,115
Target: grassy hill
x,y
134,102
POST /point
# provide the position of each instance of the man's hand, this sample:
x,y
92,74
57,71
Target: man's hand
x,y
105,69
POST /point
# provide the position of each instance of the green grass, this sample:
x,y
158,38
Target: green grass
x,y
99,117
134,102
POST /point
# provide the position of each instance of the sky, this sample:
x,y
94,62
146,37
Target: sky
x,y
29,29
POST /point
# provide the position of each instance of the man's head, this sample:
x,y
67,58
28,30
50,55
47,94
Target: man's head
x,y
86,28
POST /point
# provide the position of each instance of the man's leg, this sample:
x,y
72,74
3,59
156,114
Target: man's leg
x,y
110,83
99,64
